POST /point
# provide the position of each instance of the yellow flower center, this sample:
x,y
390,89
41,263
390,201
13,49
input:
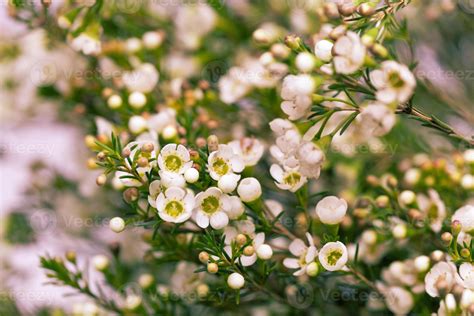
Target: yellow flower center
x,y
173,163
334,256
292,179
210,204
220,166
395,80
174,208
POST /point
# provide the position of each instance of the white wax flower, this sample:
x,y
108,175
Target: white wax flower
x,y
441,271
394,82
333,256
117,224
465,215
349,53
305,255
211,208
175,205
296,94
224,161
250,149
331,210
143,79
289,179
235,281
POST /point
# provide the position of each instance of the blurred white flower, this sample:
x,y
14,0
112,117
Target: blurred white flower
x,y
394,82
296,94
143,79
377,119
442,271
465,215
333,256
349,53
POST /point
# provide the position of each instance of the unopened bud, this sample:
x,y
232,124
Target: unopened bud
x,y
212,267
465,253
294,42
241,239
142,162
365,9
456,227
249,250
126,152
212,143
148,147
101,180
447,238
130,195
203,257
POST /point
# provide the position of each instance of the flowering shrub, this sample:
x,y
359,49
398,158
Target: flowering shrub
x,y
223,142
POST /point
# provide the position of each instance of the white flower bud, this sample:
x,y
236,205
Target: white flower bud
x,y
100,262
191,175
412,176
264,252
323,49
202,290
235,281
369,237
407,197
249,189
266,58
152,40
137,124
312,269
399,231
422,263
450,302
305,62
169,132
469,155
133,45
467,181
132,302
114,101
117,224
137,100
228,182
331,210
467,298
146,280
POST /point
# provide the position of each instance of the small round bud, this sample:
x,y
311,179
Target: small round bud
x,y
323,50
137,124
100,262
133,302
312,269
137,100
148,147
241,239
249,190
365,9
117,224
369,237
90,140
456,227
212,267
412,176
437,255
101,180
142,162
169,132
152,40
382,201
92,164
407,197
261,36
71,256
422,263
293,42
399,231
202,290
203,257
101,156
372,180
114,101
146,280
235,281
266,58
264,252
346,9
305,62
467,182
249,250
280,51
380,50
331,10
447,237
228,183
130,195
465,253
191,175
126,152
212,143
